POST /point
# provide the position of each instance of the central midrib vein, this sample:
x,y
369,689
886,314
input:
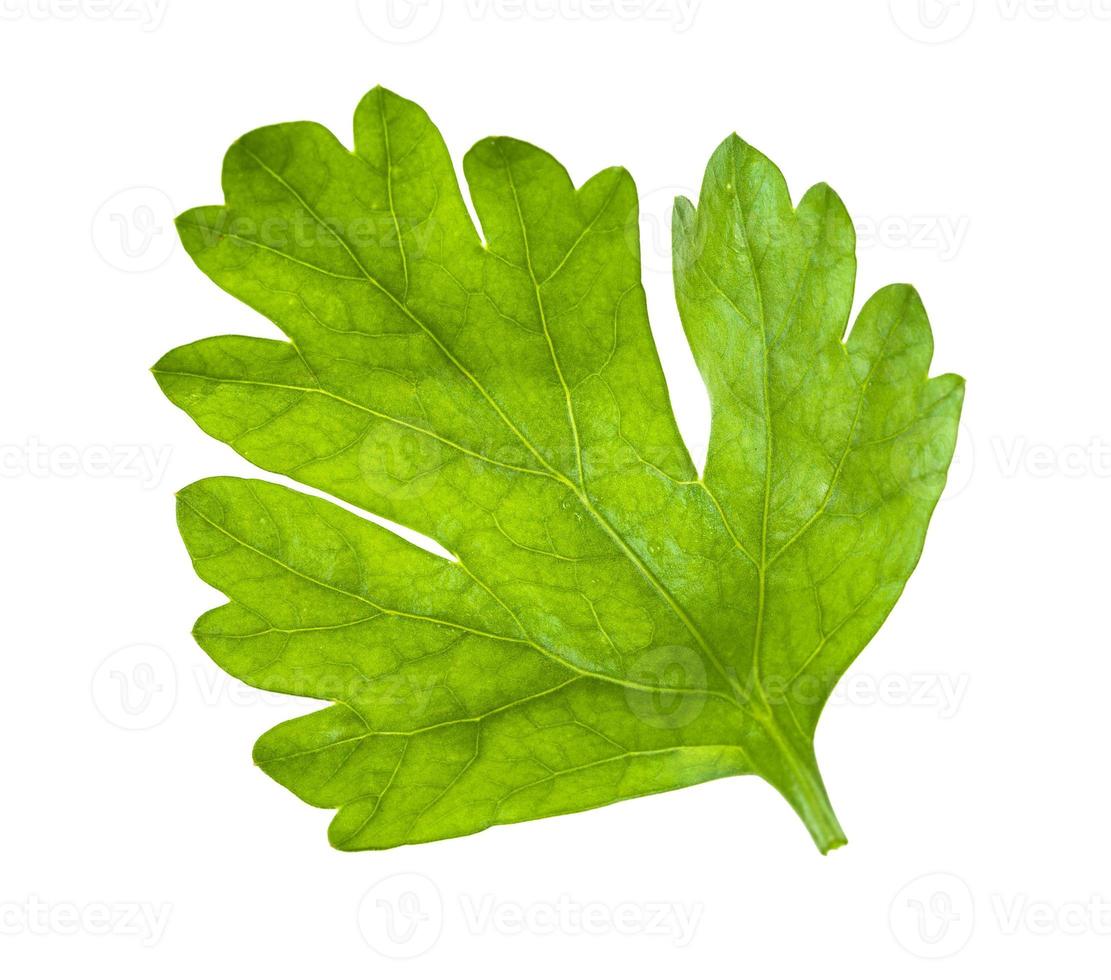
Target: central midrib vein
x,y
580,490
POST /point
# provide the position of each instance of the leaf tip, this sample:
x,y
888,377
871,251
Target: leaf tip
x,y
379,93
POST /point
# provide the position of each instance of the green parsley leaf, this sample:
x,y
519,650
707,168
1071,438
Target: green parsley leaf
x,y
613,624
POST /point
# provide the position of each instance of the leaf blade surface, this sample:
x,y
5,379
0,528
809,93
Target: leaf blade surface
x,y
613,624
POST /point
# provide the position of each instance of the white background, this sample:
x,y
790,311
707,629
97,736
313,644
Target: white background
x,y
969,742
